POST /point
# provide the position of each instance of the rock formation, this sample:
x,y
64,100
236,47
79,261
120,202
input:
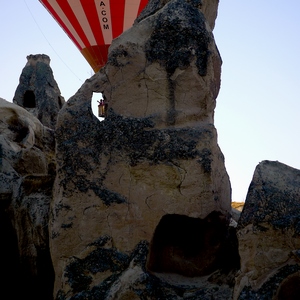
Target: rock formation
x,y
27,172
151,172
38,91
268,235
138,206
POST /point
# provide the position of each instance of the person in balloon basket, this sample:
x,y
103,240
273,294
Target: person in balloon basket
x,y
102,108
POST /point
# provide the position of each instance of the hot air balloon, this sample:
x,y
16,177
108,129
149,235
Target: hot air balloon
x,y
93,24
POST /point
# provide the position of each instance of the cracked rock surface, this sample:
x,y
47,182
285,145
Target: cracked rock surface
x,y
154,155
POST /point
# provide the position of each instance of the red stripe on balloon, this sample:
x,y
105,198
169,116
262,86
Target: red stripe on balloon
x,y
93,57
96,55
73,20
91,13
142,5
117,9
60,22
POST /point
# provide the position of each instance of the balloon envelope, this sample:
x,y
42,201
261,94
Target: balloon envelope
x,y
93,24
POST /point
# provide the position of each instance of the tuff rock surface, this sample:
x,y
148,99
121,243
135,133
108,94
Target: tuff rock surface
x,y
151,172
27,172
269,235
38,91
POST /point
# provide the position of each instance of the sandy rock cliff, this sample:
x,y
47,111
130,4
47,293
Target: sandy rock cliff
x,y
154,163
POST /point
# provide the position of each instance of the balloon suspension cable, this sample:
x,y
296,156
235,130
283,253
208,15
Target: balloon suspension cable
x,y
49,42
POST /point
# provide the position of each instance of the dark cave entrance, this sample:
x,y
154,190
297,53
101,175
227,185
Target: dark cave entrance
x,y
60,102
290,288
29,99
9,254
193,246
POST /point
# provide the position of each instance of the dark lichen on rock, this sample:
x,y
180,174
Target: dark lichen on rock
x,y
137,139
132,139
180,35
269,203
117,56
205,160
79,272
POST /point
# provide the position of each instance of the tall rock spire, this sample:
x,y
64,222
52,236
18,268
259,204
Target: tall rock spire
x,y
147,188
38,91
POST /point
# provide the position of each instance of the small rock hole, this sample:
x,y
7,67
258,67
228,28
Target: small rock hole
x,y
29,99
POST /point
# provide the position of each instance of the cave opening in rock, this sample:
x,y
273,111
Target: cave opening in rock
x,y
9,253
192,246
96,98
290,288
29,99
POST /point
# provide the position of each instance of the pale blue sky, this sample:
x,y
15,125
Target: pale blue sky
x,y
257,114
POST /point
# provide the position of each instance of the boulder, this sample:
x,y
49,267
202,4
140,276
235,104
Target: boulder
x,y
38,91
268,235
27,172
151,169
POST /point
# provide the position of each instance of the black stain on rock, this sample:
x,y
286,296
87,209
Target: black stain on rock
x,y
137,139
18,127
79,272
270,204
105,259
205,159
132,140
180,35
116,57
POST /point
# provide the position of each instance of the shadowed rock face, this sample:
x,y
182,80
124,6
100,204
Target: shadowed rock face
x,y
27,172
38,91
